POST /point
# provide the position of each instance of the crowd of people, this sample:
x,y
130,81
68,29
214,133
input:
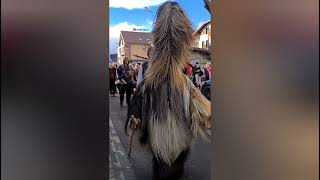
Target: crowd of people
x,y
197,74
124,79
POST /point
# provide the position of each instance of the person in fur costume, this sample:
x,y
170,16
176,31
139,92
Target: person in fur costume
x,y
166,109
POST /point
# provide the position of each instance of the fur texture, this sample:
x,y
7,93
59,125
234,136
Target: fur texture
x,y
168,126
172,39
162,171
171,109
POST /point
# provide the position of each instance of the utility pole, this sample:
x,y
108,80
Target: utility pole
x,y
207,5
149,10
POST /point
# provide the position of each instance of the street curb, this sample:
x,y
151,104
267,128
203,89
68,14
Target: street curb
x,y
120,167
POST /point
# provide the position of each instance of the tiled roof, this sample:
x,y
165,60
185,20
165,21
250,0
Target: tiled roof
x,y
133,37
201,27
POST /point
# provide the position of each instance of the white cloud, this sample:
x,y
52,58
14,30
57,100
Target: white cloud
x,y
114,33
134,4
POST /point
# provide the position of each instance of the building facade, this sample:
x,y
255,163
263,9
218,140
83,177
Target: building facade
x,y
134,46
202,36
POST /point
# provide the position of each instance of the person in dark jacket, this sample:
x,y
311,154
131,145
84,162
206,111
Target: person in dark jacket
x,y
112,79
197,74
125,75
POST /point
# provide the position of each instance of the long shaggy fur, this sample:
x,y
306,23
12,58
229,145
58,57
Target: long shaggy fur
x,y
172,39
171,109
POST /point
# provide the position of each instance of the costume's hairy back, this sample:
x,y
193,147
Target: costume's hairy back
x,y
171,117
172,111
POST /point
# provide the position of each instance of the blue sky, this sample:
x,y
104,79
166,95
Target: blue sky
x,y
129,14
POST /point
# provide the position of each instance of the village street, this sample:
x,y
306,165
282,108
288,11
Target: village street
x,y
139,165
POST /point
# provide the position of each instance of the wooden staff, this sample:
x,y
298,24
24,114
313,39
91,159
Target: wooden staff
x,y
131,139
134,127
141,57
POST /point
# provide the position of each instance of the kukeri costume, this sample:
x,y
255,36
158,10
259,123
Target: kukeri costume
x,y
170,110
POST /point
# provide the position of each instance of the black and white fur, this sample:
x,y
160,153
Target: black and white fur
x,y
171,109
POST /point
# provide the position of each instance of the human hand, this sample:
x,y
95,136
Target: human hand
x,y
134,122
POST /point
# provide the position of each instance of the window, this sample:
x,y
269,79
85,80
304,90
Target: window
x,y
202,44
206,30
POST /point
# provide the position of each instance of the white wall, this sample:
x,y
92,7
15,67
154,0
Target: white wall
x,y
203,38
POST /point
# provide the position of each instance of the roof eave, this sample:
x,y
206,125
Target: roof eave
x,y
201,27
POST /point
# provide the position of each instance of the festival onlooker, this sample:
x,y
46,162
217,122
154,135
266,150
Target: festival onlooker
x,y
136,72
189,71
207,72
125,75
112,79
197,74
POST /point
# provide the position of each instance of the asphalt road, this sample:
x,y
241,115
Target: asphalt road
x,y
197,166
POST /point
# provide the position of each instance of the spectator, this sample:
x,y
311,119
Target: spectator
x,y
189,71
207,72
112,79
125,85
197,74
137,70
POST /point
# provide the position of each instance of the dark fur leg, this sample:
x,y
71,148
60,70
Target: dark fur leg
x,y
161,171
